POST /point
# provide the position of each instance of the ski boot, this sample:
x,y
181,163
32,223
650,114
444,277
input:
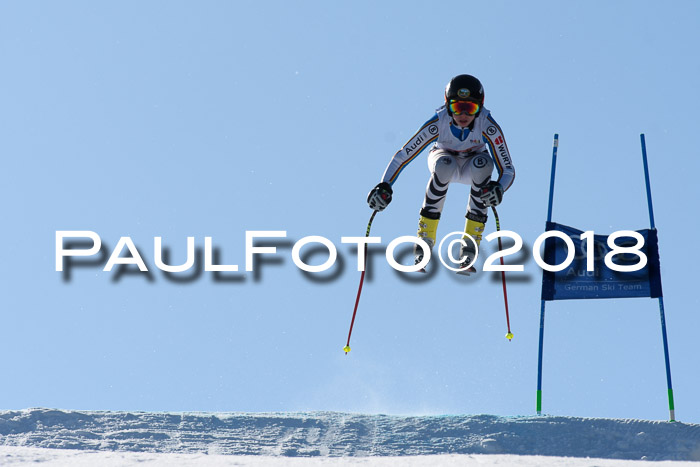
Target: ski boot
x,y
475,228
427,230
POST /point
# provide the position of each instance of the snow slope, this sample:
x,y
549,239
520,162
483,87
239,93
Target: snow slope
x,y
19,456
332,434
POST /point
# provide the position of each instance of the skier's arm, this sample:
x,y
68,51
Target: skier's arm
x,y
493,137
426,135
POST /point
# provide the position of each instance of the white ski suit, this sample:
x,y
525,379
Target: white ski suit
x,y
457,155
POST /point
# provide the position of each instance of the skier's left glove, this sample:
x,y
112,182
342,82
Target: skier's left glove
x,y
380,196
492,194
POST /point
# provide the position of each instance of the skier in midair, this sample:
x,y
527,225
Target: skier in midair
x,y
459,134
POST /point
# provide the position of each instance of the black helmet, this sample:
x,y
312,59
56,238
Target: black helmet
x,y
466,88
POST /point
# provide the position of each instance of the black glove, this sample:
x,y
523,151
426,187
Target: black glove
x,y
380,196
492,194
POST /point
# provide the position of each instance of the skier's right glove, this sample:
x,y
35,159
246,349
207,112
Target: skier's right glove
x,y
380,196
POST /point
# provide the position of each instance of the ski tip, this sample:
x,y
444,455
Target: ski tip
x,y
466,272
346,349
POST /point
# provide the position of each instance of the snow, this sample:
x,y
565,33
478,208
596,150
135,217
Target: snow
x,y
60,437
15,456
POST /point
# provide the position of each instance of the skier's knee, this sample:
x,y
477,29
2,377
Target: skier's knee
x,y
482,164
444,168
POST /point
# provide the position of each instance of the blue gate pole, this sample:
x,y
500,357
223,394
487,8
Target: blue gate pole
x,y
671,406
646,180
551,180
555,145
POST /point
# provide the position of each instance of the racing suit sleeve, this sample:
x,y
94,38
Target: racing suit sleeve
x,y
493,137
426,135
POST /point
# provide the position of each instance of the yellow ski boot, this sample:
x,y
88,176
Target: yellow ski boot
x,y
427,230
474,227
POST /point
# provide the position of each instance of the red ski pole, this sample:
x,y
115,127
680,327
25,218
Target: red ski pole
x,y
509,336
359,290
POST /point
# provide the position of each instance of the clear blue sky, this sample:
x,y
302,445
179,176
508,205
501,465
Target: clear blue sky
x,y
179,119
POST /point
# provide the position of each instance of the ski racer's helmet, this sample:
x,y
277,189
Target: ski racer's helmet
x,y
464,88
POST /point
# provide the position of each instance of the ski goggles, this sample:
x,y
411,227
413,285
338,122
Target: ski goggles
x,y
466,107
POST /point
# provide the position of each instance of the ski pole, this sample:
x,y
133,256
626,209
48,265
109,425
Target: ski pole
x,y
509,336
359,290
